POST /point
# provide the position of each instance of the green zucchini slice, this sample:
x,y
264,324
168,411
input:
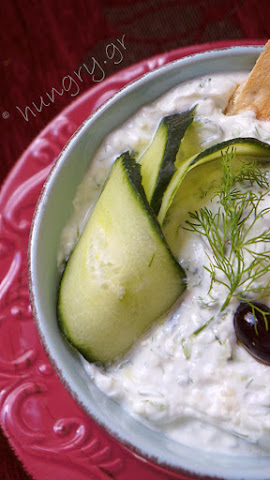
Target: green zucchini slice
x,y
158,162
121,276
248,147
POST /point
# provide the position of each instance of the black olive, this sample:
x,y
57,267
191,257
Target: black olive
x,y
252,330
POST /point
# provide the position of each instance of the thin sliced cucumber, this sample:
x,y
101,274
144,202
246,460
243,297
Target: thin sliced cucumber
x,y
158,162
121,276
248,147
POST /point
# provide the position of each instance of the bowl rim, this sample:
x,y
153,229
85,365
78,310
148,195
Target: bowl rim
x,y
214,50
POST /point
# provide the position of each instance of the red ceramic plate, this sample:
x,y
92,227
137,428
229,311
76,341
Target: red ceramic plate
x,y
51,435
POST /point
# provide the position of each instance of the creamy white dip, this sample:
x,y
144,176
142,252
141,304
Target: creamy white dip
x,y
202,390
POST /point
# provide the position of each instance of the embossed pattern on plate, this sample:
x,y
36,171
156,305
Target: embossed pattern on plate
x,y
49,432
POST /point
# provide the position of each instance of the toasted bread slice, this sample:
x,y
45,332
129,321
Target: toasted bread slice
x,y
254,93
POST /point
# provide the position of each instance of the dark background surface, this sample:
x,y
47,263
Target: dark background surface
x,y
46,40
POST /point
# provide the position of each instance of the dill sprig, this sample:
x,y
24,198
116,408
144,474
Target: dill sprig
x,y
231,233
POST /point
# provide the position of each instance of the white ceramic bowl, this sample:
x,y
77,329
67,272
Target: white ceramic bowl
x,y
53,210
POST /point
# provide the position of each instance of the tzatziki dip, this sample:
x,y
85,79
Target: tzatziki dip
x,y
189,377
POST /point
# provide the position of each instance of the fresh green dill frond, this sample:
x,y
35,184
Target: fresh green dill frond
x,y
250,172
232,233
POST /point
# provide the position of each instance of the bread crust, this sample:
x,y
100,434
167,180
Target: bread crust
x,y
254,93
